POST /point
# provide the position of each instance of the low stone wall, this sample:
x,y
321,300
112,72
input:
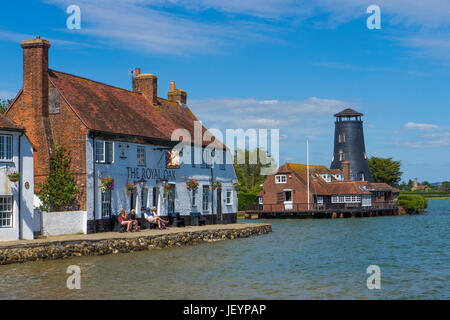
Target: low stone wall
x,y
67,249
67,222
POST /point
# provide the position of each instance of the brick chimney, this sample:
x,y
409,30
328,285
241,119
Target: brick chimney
x,y
177,95
147,84
346,170
35,73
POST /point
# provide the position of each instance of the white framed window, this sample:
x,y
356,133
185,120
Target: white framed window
x,y
341,138
140,155
319,200
6,148
205,202
366,201
341,155
6,211
104,152
334,199
287,195
280,178
229,197
106,204
260,200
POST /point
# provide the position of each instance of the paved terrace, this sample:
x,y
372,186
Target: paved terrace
x,y
94,237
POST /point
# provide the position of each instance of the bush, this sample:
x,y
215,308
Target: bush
x,y
412,203
244,199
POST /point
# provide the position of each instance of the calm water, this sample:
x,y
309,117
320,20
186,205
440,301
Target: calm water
x,y
301,259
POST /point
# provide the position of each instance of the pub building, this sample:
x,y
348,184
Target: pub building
x,y
120,144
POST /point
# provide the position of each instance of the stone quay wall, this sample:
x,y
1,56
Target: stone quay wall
x,y
75,248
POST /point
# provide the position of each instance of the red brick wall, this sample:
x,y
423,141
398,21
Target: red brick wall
x,y
299,190
64,127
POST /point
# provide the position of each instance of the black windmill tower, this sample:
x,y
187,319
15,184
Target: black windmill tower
x,y
349,145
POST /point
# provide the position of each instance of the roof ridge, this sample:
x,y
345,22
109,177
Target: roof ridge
x,y
98,82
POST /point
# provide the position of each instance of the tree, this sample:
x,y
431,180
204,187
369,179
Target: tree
x,y
59,192
385,170
249,174
4,104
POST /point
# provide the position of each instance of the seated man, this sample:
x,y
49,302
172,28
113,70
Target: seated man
x,y
152,217
134,220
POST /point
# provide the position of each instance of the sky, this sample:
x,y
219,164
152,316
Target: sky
x,y
269,64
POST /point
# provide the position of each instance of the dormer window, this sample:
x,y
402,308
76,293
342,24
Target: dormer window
x,y
341,137
280,178
326,177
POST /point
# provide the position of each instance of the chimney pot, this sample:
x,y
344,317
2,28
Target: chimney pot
x,y
346,170
172,85
147,84
138,71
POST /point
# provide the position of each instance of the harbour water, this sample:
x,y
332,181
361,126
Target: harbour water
x,y
300,259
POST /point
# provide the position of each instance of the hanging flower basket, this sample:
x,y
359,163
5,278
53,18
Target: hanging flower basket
x,y
192,184
216,184
14,177
107,183
167,188
131,187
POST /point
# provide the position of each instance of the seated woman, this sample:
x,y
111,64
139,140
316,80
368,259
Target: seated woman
x,y
124,220
133,218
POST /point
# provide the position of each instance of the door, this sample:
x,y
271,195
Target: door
x,y
171,200
133,200
219,204
287,199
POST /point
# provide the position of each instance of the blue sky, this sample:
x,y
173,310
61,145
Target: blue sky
x,y
266,64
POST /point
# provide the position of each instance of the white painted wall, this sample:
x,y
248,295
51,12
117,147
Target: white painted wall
x,y
60,223
12,188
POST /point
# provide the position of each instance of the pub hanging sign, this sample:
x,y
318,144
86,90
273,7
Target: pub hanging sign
x,y
150,174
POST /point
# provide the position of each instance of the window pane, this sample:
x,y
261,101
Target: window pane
x,y
6,211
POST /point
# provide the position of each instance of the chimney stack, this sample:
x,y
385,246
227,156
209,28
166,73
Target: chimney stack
x,y
346,170
35,74
177,95
147,84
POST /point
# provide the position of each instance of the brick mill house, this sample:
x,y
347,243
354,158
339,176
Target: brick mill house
x,y
125,135
331,193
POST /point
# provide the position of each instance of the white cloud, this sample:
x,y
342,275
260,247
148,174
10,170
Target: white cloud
x,y
422,126
7,94
182,26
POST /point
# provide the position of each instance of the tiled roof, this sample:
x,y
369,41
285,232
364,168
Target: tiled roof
x,y
8,124
348,113
114,110
377,186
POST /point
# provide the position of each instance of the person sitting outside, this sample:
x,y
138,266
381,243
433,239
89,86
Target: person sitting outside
x,y
152,217
125,221
133,218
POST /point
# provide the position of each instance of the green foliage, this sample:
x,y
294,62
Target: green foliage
x,y
385,170
444,187
412,203
245,199
249,174
59,192
4,104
